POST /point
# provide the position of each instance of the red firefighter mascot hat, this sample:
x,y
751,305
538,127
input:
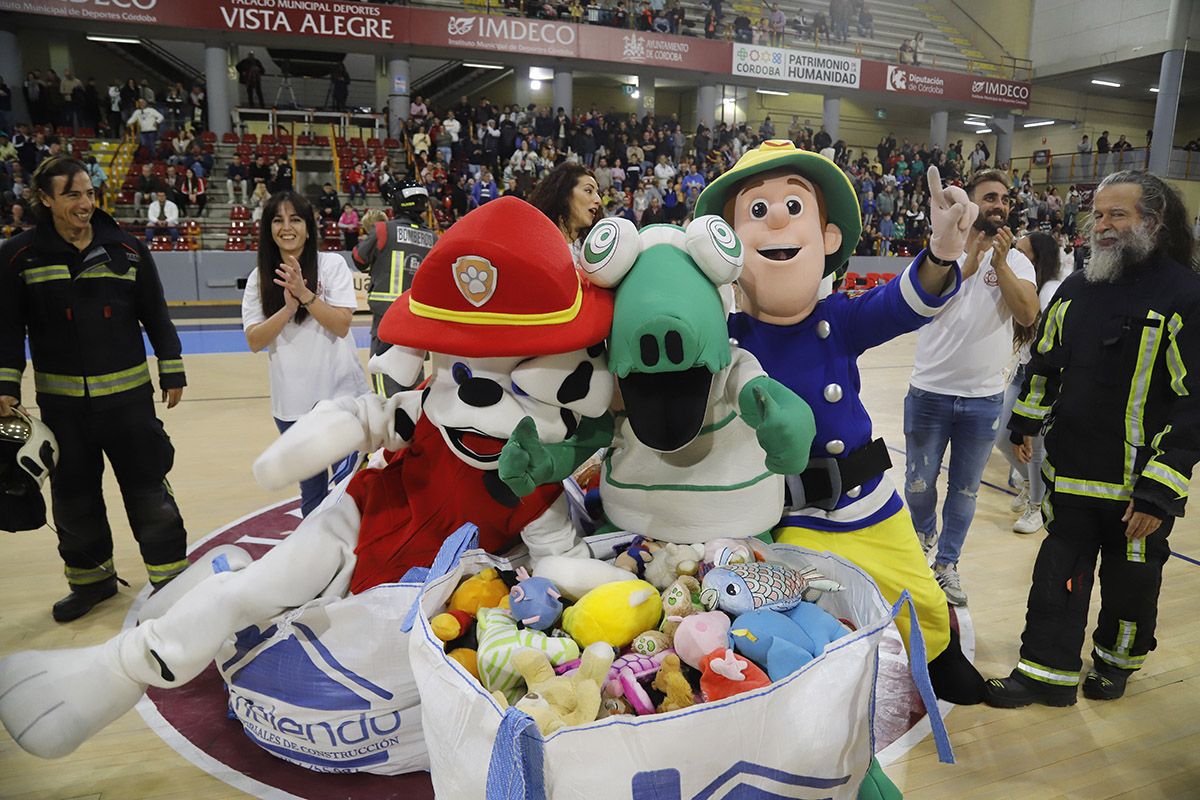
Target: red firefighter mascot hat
x,y
501,282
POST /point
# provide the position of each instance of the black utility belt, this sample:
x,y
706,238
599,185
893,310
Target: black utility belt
x,y
827,479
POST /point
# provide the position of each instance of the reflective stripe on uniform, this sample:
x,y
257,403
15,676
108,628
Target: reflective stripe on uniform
x,y
1057,677
1119,655
94,385
103,271
1135,551
170,366
82,576
1053,329
10,374
54,272
1097,489
1139,389
161,572
1174,360
1167,476
1033,406
383,297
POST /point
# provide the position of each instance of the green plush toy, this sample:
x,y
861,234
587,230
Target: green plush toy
x,y
700,445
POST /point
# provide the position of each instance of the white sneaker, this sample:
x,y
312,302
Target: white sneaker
x,y
947,578
1030,521
1022,499
927,541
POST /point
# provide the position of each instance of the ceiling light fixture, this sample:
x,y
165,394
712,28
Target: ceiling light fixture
x,y
95,37
1106,83
974,122
1154,89
979,116
535,85
1038,124
984,130
482,66
772,91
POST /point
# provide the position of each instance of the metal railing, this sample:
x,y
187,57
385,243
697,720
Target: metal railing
x,y
1092,167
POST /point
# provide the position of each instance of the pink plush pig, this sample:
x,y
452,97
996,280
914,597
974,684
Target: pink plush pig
x,y
700,634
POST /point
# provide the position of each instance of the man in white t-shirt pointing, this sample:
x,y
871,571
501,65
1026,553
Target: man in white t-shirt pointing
x,y
957,385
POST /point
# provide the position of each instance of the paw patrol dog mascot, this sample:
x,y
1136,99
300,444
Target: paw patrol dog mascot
x,y
508,323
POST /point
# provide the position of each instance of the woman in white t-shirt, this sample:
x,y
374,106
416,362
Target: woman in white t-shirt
x,y
1042,250
297,306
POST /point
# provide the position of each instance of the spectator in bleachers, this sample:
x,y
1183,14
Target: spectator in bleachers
x,y
130,94
904,53
918,44
281,176
349,224
145,187
866,22
181,144
869,208
328,203
8,153
146,119
839,20
112,104
32,89
197,113
654,213
162,218
174,101
339,83
258,202
236,182
778,24
97,175
356,183
743,32
194,190
260,172
712,24
887,230
417,110
484,190
250,74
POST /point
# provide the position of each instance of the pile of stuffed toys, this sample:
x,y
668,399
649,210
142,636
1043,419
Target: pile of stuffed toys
x,y
660,628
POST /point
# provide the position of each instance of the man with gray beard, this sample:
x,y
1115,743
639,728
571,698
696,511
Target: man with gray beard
x,y
1115,382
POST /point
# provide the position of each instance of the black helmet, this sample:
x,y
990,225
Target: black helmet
x,y
410,197
28,452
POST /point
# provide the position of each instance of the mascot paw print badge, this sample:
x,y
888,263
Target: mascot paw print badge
x,y
476,279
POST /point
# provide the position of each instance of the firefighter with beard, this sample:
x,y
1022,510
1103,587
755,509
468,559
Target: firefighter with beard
x,y
391,251
1115,382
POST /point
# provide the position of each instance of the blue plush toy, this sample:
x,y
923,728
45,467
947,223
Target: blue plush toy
x,y
783,641
536,602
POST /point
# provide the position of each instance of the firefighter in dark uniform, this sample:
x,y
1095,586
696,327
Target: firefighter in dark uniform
x,y
1115,381
80,287
391,251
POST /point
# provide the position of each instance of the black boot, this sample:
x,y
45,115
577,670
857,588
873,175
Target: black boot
x,y
83,598
1104,682
954,678
1017,691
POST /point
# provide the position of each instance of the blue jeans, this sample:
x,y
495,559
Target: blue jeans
x,y
968,426
314,489
1032,471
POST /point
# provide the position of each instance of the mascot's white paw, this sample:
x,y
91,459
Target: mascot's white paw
x,y
51,701
323,436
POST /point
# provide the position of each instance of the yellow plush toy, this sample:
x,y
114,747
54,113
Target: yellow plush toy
x,y
556,701
671,682
614,612
484,590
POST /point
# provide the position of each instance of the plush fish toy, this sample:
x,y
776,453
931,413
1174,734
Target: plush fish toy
x,y
740,588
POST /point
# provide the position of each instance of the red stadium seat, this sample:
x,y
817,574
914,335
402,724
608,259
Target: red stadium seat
x,y
239,212
304,140
229,137
285,138
235,243
321,141
391,144
87,133
208,137
267,140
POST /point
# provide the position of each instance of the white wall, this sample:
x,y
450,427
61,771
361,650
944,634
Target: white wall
x,y
1076,34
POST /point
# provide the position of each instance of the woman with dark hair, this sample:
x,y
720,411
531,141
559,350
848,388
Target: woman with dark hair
x,y
1041,249
568,195
297,306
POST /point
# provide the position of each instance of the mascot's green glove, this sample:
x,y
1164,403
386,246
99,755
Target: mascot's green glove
x,y
527,463
877,785
783,422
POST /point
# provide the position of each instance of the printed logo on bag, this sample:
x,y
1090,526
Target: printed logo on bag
x,y
476,278
744,779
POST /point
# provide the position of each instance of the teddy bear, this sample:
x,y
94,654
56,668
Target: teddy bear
x,y
671,682
557,701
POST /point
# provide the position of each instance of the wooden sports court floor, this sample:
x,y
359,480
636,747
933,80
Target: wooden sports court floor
x,y
1145,746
